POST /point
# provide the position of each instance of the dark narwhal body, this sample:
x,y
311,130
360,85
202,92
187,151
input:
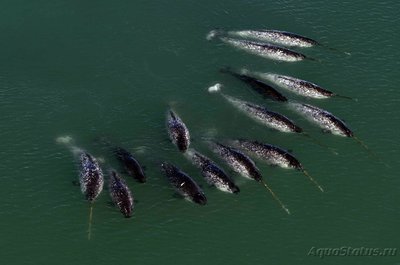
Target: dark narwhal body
x,y
178,132
120,194
91,176
184,184
260,87
131,165
212,173
237,161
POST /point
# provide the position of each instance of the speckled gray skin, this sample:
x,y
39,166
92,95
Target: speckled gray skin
x,y
323,119
271,154
276,36
237,161
91,176
263,115
212,173
297,86
178,132
265,50
120,194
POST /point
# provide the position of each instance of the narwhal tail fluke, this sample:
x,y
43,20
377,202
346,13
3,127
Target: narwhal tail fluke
x,y
90,220
275,197
320,144
313,180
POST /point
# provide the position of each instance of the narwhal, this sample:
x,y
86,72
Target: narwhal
x,y
184,184
264,50
212,173
178,132
131,164
273,155
120,194
297,86
327,121
276,36
90,175
262,114
257,85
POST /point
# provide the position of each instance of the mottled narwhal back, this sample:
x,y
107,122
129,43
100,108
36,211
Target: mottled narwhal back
x,y
295,85
212,173
236,160
322,118
178,132
261,114
120,194
91,176
276,36
272,154
184,184
265,50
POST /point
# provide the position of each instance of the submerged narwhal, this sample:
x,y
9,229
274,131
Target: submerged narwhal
x,y
265,90
131,164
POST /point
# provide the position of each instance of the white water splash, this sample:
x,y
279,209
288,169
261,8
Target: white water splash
x,y
215,88
64,139
211,35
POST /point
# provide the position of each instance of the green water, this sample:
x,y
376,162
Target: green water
x,y
102,68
